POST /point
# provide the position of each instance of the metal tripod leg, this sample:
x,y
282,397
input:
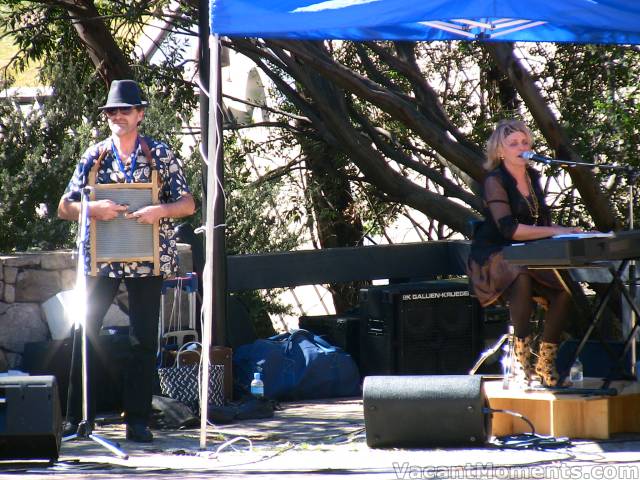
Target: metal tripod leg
x,y
85,431
487,353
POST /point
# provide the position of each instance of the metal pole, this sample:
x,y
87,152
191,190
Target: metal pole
x,y
632,281
85,429
214,274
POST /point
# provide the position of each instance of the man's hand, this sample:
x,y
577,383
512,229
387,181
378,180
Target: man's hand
x,y
105,210
148,215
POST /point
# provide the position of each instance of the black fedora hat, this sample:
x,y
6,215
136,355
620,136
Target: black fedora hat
x,y
124,93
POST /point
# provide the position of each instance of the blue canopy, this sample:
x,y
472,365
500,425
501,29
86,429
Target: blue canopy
x,y
579,21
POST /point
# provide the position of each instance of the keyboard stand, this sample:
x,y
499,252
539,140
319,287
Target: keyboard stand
x,y
616,273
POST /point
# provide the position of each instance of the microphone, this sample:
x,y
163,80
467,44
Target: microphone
x,y
529,155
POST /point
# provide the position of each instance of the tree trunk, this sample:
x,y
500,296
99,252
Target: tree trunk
x,y
109,60
338,223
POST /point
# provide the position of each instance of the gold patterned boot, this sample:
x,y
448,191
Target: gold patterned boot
x,y
546,365
523,349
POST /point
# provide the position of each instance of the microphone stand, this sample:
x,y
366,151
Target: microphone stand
x,y
84,427
569,163
633,174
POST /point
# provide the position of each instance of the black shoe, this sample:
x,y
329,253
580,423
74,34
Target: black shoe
x,y
137,432
73,428
69,428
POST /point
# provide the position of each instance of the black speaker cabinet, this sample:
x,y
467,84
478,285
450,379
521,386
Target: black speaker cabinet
x,y
340,330
30,418
53,357
411,411
598,359
419,328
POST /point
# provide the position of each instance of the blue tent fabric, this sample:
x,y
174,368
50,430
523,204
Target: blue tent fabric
x,y
578,21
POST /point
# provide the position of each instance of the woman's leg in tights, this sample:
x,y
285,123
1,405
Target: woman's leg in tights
x,y
556,317
519,295
554,324
520,309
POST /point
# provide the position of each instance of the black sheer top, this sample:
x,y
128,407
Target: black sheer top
x,y
505,209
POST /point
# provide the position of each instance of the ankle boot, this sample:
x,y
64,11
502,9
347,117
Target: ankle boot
x,y
546,365
523,349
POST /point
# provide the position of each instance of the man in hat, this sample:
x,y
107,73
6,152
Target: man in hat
x,y
127,157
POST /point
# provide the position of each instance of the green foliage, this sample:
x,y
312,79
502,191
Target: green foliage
x,y
41,145
595,89
254,223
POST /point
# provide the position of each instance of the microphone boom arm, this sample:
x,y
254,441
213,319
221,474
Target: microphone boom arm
x,y
569,163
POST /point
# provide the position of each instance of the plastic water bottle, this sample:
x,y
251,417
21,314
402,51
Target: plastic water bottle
x,y
257,386
576,374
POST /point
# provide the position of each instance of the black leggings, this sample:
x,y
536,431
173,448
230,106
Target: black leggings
x,y
520,297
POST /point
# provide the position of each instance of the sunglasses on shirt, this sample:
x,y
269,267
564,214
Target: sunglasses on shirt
x,y
113,110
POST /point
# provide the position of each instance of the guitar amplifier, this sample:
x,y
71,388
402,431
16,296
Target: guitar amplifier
x,y
124,239
421,328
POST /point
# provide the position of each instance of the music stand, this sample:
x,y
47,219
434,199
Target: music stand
x,y
85,429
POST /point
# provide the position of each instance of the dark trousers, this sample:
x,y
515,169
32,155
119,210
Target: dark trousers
x,y
144,311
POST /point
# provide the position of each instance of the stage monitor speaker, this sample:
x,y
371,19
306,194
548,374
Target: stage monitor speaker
x,y
416,411
30,418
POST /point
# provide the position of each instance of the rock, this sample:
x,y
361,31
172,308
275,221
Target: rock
x,y
57,260
21,323
36,285
10,274
9,293
122,300
24,260
115,318
67,279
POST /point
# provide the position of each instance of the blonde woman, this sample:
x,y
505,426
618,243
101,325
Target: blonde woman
x,y
516,211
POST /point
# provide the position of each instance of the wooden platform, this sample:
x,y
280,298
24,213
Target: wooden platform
x,y
564,415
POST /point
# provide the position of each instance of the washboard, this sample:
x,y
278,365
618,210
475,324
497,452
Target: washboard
x,y
124,239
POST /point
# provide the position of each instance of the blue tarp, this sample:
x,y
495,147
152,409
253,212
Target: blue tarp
x,y
580,21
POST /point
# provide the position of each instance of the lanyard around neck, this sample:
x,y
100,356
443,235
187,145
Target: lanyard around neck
x,y
134,157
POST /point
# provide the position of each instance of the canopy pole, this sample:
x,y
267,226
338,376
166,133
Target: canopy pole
x,y
214,272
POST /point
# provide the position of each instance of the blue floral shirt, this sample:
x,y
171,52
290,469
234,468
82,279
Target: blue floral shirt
x,y
172,187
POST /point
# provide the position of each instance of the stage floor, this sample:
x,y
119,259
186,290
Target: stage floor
x,y
324,439
567,415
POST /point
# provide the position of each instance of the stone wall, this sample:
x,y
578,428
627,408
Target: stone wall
x,y
26,281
